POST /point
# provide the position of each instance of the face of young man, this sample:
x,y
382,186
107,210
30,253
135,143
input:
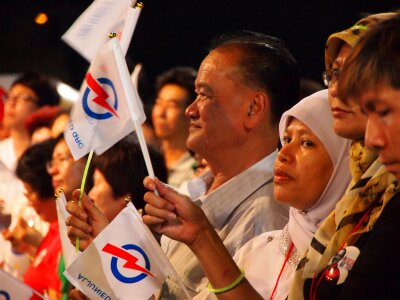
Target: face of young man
x,y
168,113
21,102
382,106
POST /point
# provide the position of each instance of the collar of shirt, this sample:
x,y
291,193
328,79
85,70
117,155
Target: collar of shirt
x,y
220,203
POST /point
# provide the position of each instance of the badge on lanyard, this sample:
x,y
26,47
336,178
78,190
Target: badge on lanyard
x,y
340,264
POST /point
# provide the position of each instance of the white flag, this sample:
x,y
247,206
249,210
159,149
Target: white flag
x,y
90,31
11,288
103,115
69,251
123,262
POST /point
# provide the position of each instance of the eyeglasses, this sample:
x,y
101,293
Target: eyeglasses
x,y
57,162
21,99
330,76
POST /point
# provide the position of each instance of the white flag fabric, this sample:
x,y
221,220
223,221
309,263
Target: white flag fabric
x,y
103,115
11,288
90,31
123,262
69,251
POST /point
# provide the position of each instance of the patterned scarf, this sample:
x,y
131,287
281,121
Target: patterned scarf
x,y
372,187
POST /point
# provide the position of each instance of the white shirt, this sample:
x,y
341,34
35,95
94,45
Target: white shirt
x,y
181,171
240,209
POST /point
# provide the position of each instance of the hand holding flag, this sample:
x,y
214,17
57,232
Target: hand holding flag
x,y
121,264
79,218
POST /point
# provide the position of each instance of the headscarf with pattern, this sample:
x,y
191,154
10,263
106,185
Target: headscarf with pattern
x,y
350,36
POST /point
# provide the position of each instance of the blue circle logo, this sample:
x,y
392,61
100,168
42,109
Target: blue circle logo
x,y
4,295
100,99
131,264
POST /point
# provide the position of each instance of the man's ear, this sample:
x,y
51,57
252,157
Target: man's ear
x,y
258,110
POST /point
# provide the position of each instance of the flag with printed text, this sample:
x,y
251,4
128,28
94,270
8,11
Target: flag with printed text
x,y
102,117
90,31
12,288
69,252
121,264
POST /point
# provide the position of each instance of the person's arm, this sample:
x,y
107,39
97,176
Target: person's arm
x,y
85,222
177,217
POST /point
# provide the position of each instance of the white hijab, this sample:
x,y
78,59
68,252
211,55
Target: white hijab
x,y
315,112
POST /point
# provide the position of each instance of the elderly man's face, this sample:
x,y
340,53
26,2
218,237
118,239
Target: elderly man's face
x,y
222,103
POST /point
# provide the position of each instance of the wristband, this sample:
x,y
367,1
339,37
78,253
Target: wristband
x,y
230,286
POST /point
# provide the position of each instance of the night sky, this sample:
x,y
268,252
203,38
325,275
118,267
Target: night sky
x,y
173,33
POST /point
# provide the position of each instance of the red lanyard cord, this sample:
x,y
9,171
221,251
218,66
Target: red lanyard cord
x,y
313,293
283,267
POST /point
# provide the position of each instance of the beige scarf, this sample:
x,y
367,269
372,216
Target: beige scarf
x,y
371,186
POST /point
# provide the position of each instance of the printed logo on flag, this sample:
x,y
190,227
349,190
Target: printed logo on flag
x,y
133,263
95,97
4,295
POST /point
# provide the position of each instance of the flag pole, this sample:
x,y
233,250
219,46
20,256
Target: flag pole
x,y
131,95
130,25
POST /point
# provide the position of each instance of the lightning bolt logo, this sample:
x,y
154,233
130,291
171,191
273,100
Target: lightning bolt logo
x,y
102,95
131,261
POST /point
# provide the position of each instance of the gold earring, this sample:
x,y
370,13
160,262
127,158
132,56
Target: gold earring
x,y
127,199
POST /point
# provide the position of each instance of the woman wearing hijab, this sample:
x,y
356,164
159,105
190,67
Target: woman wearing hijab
x,y
298,181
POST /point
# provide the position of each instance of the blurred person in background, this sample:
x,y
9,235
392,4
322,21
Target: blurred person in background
x,y
174,92
45,251
27,93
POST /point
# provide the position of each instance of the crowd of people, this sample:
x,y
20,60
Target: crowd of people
x,y
269,196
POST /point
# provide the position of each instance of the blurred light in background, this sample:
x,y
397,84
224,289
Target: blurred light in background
x,y
41,18
67,92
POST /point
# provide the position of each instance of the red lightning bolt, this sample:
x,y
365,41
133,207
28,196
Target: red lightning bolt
x,y
102,95
130,259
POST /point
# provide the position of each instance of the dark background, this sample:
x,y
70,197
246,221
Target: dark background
x,y
173,33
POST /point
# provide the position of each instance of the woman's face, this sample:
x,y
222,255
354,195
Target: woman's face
x,y
65,172
102,195
303,167
348,119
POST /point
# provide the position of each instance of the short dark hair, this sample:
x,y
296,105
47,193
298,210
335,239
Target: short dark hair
x,y
181,76
42,86
265,64
375,60
31,168
124,168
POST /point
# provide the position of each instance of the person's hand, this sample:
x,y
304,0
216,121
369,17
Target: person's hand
x,y
85,222
23,238
76,294
172,214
